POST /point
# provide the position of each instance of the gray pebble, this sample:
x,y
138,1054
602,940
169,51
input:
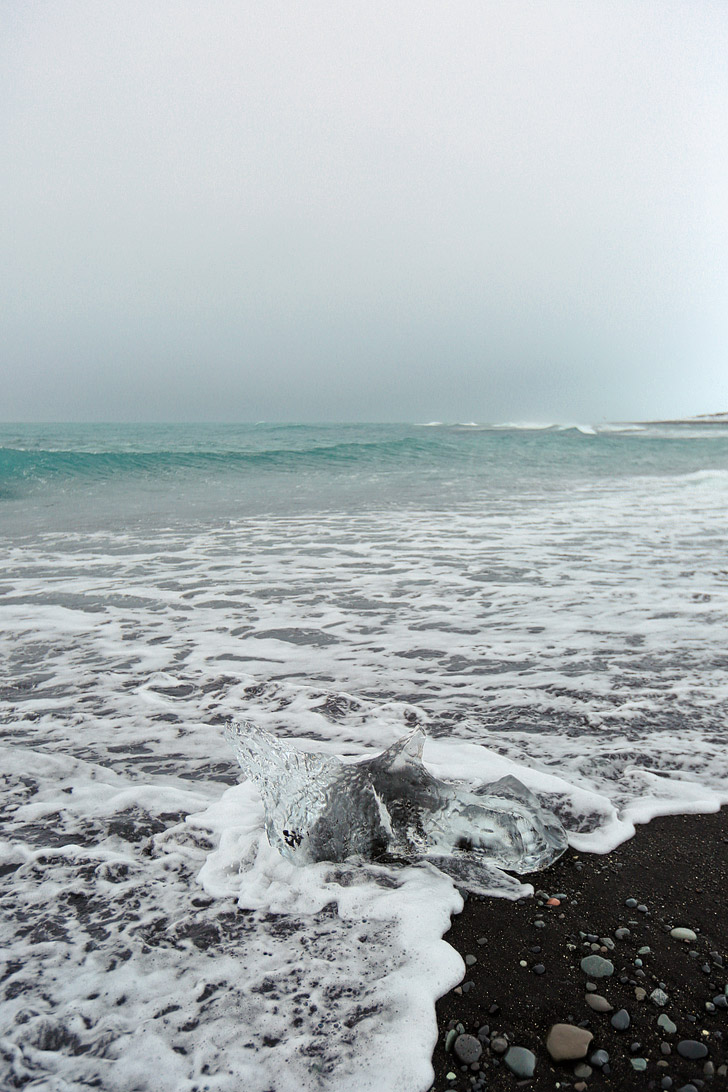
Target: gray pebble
x,y
520,1061
583,1070
470,960
621,1020
665,1049
631,903
664,1022
720,1001
538,968
623,933
499,1045
666,1082
598,1003
599,1058
683,934
690,1048
597,966
640,1064
468,1049
658,997
643,909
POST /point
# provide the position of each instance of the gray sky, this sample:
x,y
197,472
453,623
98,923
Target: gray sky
x,y
363,210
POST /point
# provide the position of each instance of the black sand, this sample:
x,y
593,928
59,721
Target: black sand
x,y
676,866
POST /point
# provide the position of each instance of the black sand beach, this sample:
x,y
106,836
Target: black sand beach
x,y
528,977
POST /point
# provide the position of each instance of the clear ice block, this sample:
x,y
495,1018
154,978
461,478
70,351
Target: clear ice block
x,y
392,809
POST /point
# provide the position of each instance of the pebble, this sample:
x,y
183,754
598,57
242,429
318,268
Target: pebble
x,y
499,1044
690,1048
599,1058
666,1082
631,903
658,997
597,966
720,1001
468,1049
708,1069
450,1039
598,1003
623,933
481,941
520,1061
580,1086
540,924
583,1070
642,909
621,1020
566,1042
470,960
640,1064
665,1048
683,934
644,951
664,1022
484,1032
538,968
640,993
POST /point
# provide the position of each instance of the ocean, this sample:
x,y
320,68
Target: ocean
x,y
547,602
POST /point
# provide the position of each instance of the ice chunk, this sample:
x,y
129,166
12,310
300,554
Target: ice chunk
x,y
391,808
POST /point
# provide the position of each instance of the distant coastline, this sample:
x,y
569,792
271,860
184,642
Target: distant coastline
x,y
700,419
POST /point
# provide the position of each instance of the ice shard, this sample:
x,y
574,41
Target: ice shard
x,y
392,809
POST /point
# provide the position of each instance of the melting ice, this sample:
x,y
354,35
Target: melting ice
x,y
391,808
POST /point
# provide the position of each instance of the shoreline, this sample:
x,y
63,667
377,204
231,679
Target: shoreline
x,y
676,868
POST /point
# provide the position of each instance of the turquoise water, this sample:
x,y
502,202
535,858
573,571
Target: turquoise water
x,y
99,474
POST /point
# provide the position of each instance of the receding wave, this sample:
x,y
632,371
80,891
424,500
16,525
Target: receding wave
x,y
18,465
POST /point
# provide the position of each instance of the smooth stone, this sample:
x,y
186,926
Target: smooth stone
x,y
499,1045
664,1022
622,933
639,993
708,1069
658,997
538,968
470,960
520,1061
583,1070
645,951
450,1039
643,909
690,1048
621,1020
599,1058
640,1064
567,1043
688,1088
468,1049
598,1003
631,903
683,934
666,1082
597,966
720,1001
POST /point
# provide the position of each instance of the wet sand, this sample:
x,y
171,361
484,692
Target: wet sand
x,y
676,867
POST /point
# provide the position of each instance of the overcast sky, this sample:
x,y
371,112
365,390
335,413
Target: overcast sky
x,y
349,210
